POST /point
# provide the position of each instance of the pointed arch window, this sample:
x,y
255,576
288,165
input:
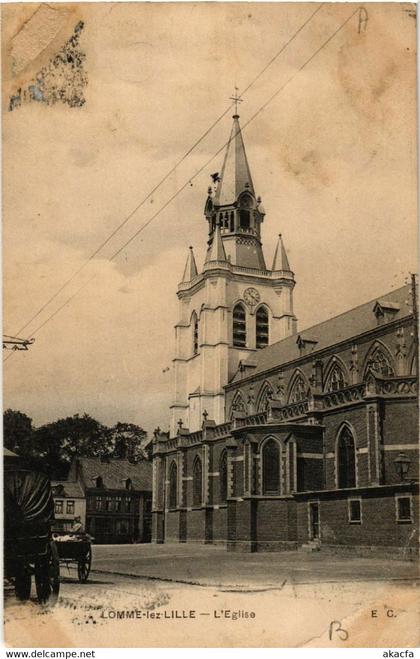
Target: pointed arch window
x,y
336,379
299,390
223,476
346,461
266,394
271,467
261,327
173,485
239,326
195,333
380,363
238,404
197,482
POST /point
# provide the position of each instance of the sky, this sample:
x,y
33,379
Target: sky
x,y
333,157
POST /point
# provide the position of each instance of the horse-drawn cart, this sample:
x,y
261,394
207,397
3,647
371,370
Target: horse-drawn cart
x,y
75,549
28,546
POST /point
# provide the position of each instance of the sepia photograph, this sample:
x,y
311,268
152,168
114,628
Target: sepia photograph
x,y
210,325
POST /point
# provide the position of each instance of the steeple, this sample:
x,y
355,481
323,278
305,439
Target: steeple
x,y
190,270
280,261
235,206
235,176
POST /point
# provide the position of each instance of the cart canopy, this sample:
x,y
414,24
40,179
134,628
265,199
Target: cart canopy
x,y
27,499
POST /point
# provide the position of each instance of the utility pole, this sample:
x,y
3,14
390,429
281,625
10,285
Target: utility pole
x,y
415,319
14,343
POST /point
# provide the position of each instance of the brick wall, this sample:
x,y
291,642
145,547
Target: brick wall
x,y
172,526
196,525
220,524
378,527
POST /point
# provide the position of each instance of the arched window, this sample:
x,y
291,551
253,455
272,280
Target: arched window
x,y
128,484
173,485
299,390
238,404
245,204
336,379
262,327
197,482
223,476
99,481
271,467
194,323
380,363
239,326
265,395
346,462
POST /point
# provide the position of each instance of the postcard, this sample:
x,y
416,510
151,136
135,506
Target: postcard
x,y
210,348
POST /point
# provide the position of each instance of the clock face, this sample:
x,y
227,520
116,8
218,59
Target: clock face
x,y
251,297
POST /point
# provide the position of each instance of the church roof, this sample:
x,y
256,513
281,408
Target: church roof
x,y
235,176
340,328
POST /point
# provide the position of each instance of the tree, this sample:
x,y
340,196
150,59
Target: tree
x,y
127,439
17,432
59,442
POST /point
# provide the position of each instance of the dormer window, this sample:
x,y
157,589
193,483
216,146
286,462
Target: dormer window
x,y
305,345
385,311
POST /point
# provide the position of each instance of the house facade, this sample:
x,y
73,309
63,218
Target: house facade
x,y
280,439
69,503
118,496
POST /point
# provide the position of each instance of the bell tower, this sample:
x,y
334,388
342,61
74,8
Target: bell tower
x,y
235,306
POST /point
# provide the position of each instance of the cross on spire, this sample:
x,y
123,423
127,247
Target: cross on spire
x,y
236,98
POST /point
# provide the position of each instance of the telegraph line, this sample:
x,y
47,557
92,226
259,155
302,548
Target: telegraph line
x,y
168,174
261,108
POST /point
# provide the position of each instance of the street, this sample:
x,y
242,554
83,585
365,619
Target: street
x,y
195,595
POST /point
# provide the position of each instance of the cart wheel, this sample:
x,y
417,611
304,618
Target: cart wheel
x,y
47,577
23,586
83,566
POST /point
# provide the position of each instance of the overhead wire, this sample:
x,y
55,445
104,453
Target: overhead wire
x,y
128,217
191,178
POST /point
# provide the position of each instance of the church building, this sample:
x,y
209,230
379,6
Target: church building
x,y
281,439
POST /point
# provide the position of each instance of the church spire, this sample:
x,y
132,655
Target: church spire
x,y
235,176
235,206
190,267
280,261
216,251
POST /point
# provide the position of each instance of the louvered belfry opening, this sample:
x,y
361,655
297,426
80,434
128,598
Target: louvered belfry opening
x,y
262,327
239,326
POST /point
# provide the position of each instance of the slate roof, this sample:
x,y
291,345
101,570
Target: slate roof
x,y
72,489
340,328
116,472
